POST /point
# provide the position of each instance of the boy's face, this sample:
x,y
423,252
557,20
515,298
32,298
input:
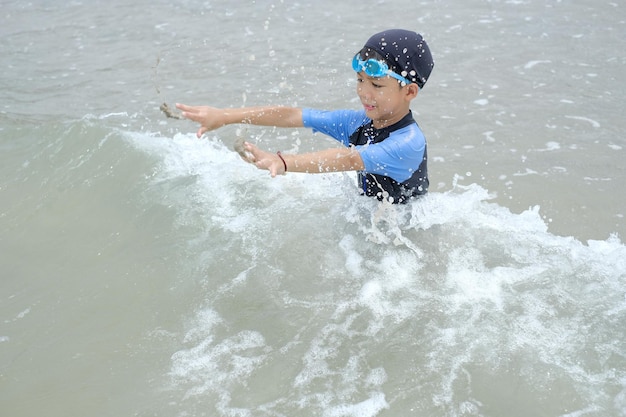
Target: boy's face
x,y
384,100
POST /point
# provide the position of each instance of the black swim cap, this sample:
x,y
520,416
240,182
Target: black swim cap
x,y
406,51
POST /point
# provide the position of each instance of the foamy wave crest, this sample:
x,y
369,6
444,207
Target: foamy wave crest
x,y
215,367
313,299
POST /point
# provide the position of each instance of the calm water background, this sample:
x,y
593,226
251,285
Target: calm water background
x,y
144,272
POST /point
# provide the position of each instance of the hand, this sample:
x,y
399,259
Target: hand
x,y
264,160
210,118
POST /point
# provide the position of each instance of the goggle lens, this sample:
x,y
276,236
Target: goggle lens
x,y
371,67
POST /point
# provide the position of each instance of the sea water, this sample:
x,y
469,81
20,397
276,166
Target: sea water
x,y
145,272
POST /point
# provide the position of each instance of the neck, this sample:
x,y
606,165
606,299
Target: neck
x,y
383,123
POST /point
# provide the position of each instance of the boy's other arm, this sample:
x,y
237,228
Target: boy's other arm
x,y
328,160
211,118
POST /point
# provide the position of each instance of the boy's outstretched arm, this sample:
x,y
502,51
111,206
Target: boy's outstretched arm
x,y
327,160
211,118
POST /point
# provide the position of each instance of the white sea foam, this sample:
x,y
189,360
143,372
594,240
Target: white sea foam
x,y
531,64
592,122
462,279
367,408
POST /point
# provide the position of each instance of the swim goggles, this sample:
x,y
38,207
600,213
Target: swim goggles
x,y
375,68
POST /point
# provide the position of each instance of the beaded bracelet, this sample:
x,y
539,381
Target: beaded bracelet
x,y
282,159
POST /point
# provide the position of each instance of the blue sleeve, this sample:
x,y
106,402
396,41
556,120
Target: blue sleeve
x,y
398,156
338,124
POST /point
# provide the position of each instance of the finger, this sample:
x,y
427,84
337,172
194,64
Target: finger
x,y
201,132
250,148
246,154
193,116
270,168
190,112
248,157
184,107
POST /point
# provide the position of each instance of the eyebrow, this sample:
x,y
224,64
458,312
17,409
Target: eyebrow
x,y
369,77
374,79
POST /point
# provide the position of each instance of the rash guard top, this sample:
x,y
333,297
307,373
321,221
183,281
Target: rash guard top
x,y
395,156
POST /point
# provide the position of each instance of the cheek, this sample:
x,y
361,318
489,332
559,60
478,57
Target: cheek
x,y
382,98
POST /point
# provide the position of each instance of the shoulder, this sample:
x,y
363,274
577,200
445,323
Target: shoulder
x,y
398,156
404,145
409,135
339,124
312,117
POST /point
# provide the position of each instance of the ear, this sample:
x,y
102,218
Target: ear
x,y
411,91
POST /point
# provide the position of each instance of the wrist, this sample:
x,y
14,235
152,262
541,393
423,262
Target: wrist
x,y
280,155
229,117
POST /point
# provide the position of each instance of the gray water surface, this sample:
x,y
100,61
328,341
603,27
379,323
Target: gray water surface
x,y
144,272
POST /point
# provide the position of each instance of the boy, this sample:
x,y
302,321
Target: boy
x,y
383,142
